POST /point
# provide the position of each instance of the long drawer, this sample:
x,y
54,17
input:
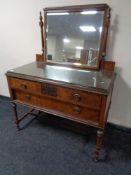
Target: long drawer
x,y
73,111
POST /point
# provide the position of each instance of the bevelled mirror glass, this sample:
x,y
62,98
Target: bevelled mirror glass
x,y
75,36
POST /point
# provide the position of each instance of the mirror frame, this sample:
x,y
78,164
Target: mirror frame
x,y
103,38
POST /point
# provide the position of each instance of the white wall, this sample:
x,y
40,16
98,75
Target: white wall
x,y
20,41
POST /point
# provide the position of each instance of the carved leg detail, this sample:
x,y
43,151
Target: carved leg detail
x,y
98,144
15,115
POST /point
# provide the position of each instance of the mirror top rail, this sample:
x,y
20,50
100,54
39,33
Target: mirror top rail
x,y
78,7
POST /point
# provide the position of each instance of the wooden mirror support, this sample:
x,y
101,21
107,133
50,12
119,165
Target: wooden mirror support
x,y
40,57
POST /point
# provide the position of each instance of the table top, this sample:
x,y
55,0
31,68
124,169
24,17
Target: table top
x,y
96,81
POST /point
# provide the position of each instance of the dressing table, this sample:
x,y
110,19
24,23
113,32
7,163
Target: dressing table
x,y
71,78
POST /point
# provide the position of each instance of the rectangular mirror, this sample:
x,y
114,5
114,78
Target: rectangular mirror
x,y
76,35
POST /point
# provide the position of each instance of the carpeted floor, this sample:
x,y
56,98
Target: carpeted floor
x,y
43,149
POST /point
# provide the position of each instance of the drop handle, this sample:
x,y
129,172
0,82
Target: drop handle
x,y
77,97
23,86
77,109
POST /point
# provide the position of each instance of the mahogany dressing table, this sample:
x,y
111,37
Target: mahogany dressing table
x,y
65,80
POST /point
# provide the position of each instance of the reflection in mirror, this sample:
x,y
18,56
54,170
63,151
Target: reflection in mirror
x,y
74,37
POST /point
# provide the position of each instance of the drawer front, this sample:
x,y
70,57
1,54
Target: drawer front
x,y
72,111
81,97
74,96
24,85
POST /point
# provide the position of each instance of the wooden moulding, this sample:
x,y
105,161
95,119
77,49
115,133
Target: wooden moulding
x,y
107,65
39,58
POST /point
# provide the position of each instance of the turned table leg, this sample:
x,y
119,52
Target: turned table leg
x,y
98,144
14,105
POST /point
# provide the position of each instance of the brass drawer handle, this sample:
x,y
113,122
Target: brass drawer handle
x,y
23,86
77,109
77,97
28,96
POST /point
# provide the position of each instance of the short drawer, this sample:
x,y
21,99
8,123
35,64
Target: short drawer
x,y
74,112
91,100
24,85
74,96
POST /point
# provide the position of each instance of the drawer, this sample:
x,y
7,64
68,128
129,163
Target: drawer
x,y
74,96
81,97
24,85
71,111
